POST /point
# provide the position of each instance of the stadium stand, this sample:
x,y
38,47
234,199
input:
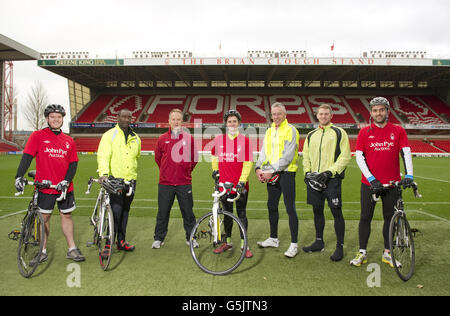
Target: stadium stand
x,y
4,147
419,146
208,108
442,144
414,110
161,105
134,103
437,105
295,107
341,114
93,111
351,109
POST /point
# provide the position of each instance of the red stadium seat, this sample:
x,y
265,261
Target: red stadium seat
x,y
96,108
442,144
255,108
6,147
340,112
416,111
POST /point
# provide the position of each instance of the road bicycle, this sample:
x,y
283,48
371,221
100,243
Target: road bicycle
x,y
208,234
401,239
32,232
102,219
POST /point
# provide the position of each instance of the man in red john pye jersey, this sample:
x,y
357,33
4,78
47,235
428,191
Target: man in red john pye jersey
x,y
56,161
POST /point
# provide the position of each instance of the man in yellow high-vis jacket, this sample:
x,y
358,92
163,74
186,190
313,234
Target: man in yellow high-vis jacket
x,y
326,152
117,155
277,166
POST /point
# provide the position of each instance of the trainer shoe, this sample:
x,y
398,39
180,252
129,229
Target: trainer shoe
x,y
157,244
292,251
75,255
125,245
359,259
316,246
387,258
248,253
269,242
224,247
195,243
42,258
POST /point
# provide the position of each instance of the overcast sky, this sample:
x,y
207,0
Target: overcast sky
x,y
111,27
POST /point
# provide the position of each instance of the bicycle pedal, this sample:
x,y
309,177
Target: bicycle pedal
x,y
89,244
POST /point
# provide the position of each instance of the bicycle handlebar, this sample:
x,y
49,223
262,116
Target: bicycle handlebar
x,y
398,184
92,180
227,188
45,184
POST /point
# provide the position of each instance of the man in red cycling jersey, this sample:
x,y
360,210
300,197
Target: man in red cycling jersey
x,y
378,148
56,161
232,162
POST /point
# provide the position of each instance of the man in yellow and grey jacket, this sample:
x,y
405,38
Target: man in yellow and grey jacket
x,y
277,166
326,154
117,155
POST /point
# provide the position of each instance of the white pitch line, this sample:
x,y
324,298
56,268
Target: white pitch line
x,y
432,179
12,214
430,215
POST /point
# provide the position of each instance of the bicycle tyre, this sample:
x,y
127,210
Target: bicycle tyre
x,y
401,244
106,238
31,243
208,248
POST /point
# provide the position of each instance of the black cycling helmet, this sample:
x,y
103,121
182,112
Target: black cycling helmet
x,y
114,185
311,180
379,101
231,113
54,108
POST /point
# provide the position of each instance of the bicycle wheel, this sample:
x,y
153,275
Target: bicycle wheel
x,y
206,256
106,238
402,246
31,243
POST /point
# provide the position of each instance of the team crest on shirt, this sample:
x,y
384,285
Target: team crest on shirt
x,y
67,145
392,136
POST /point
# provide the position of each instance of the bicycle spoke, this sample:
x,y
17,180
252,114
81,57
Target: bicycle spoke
x,y
402,246
223,256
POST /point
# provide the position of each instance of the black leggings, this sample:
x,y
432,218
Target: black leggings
x,y
285,185
120,205
241,209
339,222
389,199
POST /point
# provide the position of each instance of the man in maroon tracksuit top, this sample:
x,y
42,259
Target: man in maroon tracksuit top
x,y
176,157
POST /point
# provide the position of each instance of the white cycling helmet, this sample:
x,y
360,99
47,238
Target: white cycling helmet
x,y
379,101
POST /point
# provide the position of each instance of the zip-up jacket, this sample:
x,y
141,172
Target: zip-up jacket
x,y
117,155
322,152
279,151
176,157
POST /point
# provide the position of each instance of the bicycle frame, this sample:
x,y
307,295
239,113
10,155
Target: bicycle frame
x,y
215,227
103,199
33,223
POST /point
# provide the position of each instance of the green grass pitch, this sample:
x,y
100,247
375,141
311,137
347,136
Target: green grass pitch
x,y
171,271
